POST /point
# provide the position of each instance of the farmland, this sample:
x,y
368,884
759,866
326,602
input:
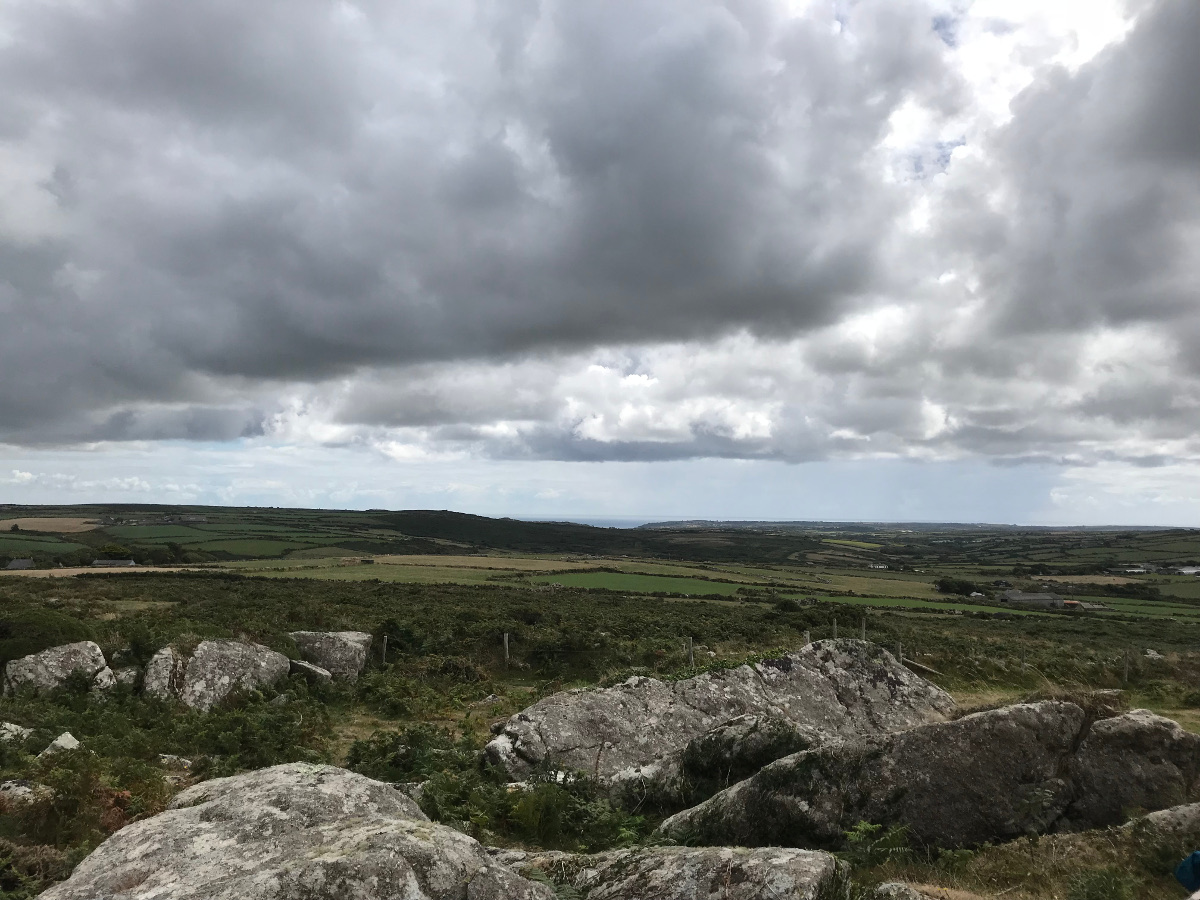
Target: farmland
x,y
579,606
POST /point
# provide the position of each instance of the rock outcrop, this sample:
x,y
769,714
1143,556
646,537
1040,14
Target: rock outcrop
x,y
640,729
11,732
692,873
51,668
164,674
293,831
217,668
342,653
990,776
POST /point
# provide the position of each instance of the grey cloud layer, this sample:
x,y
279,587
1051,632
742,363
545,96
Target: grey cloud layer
x,y
438,223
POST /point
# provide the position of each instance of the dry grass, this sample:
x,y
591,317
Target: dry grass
x,y
50,525
513,563
71,571
943,893
1088,579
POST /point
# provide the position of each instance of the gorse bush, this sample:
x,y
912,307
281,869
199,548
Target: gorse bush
x,y
413,753
27,631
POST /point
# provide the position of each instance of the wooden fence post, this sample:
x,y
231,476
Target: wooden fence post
x,y
385,649
835,628
863,630
691,655
506,649
807,637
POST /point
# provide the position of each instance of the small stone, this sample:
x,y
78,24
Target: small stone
x,y
312,674
18,792
128,675
171,761
104,680
65,741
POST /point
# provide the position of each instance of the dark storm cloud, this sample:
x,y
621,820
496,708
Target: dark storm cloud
x,y
295,190
574,229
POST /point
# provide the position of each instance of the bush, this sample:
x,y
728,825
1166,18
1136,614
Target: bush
x,y
27,631
948,585
410,754
871,845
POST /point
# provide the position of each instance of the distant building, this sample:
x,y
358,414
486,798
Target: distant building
x,y
20,564
878,566
1020,598
112,563
976,594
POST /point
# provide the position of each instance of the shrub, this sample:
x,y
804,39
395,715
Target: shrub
x,y
27,631
414,752
871,845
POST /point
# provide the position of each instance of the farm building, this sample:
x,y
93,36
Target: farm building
x,y
1020,598
20,564
112,563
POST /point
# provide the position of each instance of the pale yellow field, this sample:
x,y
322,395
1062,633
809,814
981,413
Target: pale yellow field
x,y
88,570
1088,579
50,525
524,564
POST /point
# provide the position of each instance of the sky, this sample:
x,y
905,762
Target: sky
x,y
892,260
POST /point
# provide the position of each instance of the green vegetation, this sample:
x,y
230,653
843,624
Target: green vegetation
x,y
580,607
641,584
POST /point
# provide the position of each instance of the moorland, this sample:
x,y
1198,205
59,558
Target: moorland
x,y
482,617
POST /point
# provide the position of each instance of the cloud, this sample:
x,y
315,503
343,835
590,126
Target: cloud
x,y
570,230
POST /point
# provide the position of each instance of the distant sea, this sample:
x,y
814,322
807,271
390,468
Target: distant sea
x,y
608,522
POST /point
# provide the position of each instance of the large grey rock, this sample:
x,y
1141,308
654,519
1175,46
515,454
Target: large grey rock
x,y
342,653
164,674
693,873
51,668
989,776
290,832
1135,761
217,668
1183,819
640,728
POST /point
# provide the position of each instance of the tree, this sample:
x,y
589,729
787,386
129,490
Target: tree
x,y
15,527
